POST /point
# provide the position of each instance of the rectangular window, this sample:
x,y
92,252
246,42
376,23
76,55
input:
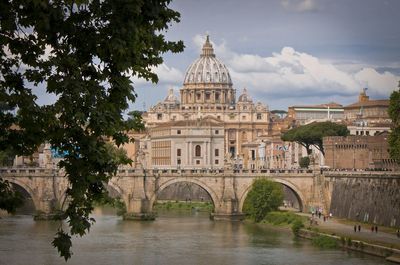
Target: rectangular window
x,y
208,96
216,151
197,162
159,116
179,161
178,132
259,116
178,152
216,162
232,150
216,132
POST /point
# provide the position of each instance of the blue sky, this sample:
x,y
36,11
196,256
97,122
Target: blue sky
x,y
288,52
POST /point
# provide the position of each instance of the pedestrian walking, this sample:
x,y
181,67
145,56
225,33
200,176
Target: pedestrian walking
x,y
398,233
355,228
372,228
376,229
359,228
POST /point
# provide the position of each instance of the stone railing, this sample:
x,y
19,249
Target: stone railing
x,y
367,174
27,171
23,172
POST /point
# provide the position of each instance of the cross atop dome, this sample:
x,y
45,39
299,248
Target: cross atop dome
x,y
207,48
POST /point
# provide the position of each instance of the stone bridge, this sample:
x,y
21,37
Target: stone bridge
x,y
228,190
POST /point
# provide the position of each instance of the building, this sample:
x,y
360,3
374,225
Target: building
x,y
208,124
358,152
309,113
366,110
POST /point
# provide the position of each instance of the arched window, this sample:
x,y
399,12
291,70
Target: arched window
x,y
198,150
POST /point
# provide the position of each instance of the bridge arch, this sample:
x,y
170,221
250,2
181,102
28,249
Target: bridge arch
x,y
114,189
28,190
300,197
209,190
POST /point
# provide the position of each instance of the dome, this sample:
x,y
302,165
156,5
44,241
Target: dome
x,y
207,69
244,97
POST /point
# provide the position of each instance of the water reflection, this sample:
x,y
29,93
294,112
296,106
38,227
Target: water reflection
x,y
174,238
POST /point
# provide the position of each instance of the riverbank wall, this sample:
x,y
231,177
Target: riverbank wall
x,y
390,254
371,199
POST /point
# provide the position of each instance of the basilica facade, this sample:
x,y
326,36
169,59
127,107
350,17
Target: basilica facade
x,y
208,127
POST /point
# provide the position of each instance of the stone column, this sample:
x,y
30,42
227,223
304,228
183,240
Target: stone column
x,y
237,141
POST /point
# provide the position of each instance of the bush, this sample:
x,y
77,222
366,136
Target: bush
x,y
325,242
264,197
282,218
304,162
296,226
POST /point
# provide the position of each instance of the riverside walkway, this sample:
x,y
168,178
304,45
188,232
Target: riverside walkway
x,y
341,227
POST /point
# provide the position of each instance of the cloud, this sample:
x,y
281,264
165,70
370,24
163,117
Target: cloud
x,y
292,74
166,76
300,5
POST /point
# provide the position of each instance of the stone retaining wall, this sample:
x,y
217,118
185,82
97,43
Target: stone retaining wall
x,y
373,200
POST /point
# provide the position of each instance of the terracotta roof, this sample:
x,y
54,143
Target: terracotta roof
x,y
369,103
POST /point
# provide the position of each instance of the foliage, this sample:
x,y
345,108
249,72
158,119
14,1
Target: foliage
x,y
304,162
10,199
296,226
282,218
312,134
84,54
197,206
264,197
325,242
394,114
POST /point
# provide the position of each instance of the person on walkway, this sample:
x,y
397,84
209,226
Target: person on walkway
x,y
355,228
359,228
376,229
398,233
372,228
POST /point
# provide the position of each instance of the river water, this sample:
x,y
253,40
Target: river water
x,y
174,238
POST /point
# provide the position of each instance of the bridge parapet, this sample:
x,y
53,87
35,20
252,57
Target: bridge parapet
x,y
23,172
362,174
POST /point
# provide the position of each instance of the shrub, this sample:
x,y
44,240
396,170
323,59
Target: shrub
x,y
325,242
304,162
296,226
264,197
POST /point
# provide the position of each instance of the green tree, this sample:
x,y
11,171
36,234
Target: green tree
x,y
265,196
312,134
84,53
394,114
304,162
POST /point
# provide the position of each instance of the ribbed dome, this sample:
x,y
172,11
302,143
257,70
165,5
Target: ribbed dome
x,y
207,69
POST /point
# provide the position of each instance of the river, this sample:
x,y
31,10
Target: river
x,y
174,238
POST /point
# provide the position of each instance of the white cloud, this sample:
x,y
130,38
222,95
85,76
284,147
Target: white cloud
x,y
166,76
300,5
290,73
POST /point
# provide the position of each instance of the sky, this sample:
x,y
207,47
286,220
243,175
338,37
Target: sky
x,y
287,52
